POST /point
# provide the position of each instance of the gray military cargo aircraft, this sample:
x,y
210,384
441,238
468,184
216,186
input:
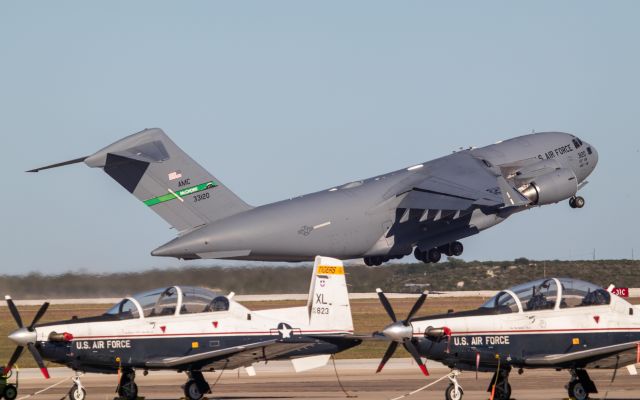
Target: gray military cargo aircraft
x,y
425,208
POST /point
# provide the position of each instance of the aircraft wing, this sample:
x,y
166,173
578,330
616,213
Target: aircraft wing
x,y
618,355
459,182
233,357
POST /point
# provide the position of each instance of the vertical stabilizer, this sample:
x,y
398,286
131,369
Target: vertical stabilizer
x,y
164,178
328,304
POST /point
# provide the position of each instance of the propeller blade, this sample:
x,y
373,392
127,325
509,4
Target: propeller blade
x,y
408,345
14,311
39,314
417,306
387,355
36,355
14,358
386,304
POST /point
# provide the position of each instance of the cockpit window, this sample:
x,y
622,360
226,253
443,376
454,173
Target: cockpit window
x,y
165,304
126,309
502,303
198,300
577,293
149,300
577,143
537,295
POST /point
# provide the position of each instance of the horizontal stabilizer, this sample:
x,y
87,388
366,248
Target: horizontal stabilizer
x,y
60,164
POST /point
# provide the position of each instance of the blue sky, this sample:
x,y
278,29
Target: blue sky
x,y
279,99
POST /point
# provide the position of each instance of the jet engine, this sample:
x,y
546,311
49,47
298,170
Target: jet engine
x,y
551,187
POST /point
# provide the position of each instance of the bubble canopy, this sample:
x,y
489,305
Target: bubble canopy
x,y
548,294
172,300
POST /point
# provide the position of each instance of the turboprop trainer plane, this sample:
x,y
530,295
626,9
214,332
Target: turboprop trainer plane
x,y
193,330
425,208
548,323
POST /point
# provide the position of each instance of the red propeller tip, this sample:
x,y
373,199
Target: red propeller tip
x,y
6,369
380,367
45,372
424,370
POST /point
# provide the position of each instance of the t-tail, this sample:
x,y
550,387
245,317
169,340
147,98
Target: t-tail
x,y
164,178
328,304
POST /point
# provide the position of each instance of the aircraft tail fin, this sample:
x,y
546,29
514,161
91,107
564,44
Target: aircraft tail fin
x,y
157,172
328,304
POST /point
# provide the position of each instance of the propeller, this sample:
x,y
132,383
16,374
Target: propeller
x,y
25,337
401,332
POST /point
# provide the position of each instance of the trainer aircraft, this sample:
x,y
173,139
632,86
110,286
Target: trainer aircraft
x,y
557,323
193,330
424,208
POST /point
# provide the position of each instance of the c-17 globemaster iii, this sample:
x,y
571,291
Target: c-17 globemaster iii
x,y
425,208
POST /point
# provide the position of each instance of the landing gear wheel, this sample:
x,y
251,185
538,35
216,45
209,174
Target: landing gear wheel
x,y
191,390
452,394
456,248
503,392
577,391
420,255
128,391
434,255
576,202
10,392
77,393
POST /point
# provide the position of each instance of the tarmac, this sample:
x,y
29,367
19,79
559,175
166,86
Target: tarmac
x,y
277,380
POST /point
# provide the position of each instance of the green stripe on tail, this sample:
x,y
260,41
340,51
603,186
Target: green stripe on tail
x,y
180,193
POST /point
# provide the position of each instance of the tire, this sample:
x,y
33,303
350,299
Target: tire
x,y
191,391
578,202
572,202
577,391
457,248
420,255
10,392
77,393
129,391
503,395
434,255
450,393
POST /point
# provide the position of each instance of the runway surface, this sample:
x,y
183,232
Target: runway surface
x,y
277,380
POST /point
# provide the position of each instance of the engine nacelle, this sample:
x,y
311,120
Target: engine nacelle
x,y
552,187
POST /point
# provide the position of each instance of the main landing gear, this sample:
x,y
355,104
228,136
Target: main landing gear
x,y
434,255
196,387
502,387
580,385
374,261
127,388
576,202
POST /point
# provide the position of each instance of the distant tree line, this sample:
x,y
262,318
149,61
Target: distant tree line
x,y
453,274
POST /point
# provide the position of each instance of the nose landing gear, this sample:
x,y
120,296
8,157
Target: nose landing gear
x,y
454,390
576,202
77,391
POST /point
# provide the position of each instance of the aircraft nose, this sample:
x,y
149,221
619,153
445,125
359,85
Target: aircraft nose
x,y
23,336
593,159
